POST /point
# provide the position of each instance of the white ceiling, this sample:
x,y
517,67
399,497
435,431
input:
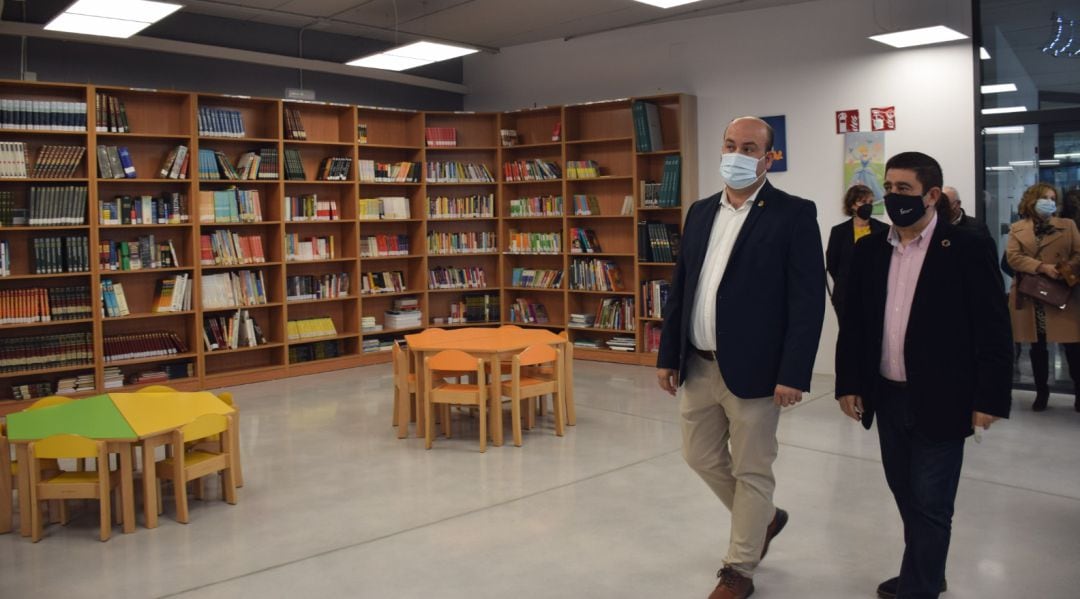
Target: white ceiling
x,y
490,24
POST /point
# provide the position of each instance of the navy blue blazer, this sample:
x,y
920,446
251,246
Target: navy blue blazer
x,y
771,300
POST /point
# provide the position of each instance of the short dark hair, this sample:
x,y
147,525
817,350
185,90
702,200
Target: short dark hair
x,y
854,194
927,170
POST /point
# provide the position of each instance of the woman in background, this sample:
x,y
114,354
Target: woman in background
x,y
858,204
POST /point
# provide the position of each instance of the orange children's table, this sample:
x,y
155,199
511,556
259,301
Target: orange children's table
x,y
492,344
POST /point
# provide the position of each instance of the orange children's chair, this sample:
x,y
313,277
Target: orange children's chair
x,y
453,362
70,485
404,390
525,385
187,465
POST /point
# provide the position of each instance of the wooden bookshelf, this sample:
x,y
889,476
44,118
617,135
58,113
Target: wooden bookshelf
x,y
159,121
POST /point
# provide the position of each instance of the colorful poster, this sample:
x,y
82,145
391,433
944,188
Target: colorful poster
x,y
883,119
779,151
864,163
847,121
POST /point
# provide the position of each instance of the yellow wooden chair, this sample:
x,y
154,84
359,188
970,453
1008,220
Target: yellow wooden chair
x,y
527,384
404,390
155,389
453,362
70,485
187,465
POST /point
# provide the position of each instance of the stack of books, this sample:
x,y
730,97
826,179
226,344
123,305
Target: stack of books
x,y
508,137
581,320
368,325
370,346
114,377
406,314
587,343
75,384
162,373
31,390
620,343
615,313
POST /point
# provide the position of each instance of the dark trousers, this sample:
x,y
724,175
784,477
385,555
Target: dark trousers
x,y
923,476
1040,364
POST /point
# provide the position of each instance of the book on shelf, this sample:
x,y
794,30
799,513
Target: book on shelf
x,y
556,131
114,162
173,294
380,245
582,169
539,278
156,374
384,208
57,206
374,283
168,209
333,168
309,249
461,242
38,304
650,194
27,391
458,172
315,287
403,316
361,133
214,165
223,247
42,115
309,208
51,162
586,205
658,242
175,164
584,241
654,295
647,129
595,275
294,124
508,137
5,258
370,346
615,313
440,137
627,206
70,385
310,352
14,160
55,255
475,307
113,301
670,192
527,311
221,122
530,242
40,352
651,336
536,206
230,205
8,209
247,166
587,342
579,320
294,166
144,253
473,206
621,343
111,114
139,346
232,332
233,289
311,328
370,171
369,325
531,170
451,277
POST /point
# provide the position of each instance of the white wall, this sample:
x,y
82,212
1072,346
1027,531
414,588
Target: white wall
x,y
805,61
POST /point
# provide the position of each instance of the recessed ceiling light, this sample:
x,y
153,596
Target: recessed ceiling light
x,y
1032,162
983,54
1011,129
999,168
95,25
125,10
388,62
1004,110
1067,155
919,37
411,56
999,88
667,3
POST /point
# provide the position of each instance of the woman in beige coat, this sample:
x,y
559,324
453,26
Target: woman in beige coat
x,y
1037,244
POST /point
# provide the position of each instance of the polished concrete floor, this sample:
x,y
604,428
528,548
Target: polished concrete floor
x,y
336,506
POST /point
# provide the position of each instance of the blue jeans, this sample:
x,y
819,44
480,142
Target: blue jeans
x,y
923,475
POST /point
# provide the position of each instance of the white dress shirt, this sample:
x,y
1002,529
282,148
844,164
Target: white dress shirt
x,y
729,221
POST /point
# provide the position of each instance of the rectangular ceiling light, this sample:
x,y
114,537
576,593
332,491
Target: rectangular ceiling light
x,y
111,18
983,54
919,37
1004,110
667,3
1009,130
999,88
999,168
411,56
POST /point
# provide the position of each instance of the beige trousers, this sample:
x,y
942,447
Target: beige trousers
x,y
731,444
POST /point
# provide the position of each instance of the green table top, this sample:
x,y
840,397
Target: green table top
x,y
94,417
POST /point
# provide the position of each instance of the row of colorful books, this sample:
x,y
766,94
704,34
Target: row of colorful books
x,y
173,294
309,249
531,170
537,206
52,162
309,208
294,124
141,346
648,134
232,332
527,242
370,171
584,241
527,311
145,252
168,209
654,295
658,242
461,242
373,283
315,287
391,244
39,352
538,278
474,206
38,304
451,277
595,275
223,247
230,206
384,208
233,289
458,172
309,352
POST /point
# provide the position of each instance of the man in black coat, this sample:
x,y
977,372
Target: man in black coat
x,y
925,345
741,330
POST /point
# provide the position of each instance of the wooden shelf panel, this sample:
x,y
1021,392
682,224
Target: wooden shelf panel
x,y
152,360
49,324
240,350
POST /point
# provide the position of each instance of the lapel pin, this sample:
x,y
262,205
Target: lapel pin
x,y
761,203
945,243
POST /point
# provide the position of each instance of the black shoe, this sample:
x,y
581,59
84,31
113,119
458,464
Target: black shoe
x,y
887,589
778,523
1041,399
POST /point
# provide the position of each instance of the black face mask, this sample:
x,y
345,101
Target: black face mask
x,y
864,211
904,210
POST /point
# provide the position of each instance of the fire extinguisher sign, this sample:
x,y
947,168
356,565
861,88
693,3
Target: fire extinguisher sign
x,y
883,119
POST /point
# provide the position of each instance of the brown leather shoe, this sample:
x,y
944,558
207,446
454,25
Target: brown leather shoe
x,y
732,585
778,523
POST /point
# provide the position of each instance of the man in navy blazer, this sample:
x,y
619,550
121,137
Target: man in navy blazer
x,y
740,334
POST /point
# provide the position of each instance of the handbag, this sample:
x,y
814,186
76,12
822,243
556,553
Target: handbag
x,y
1049,291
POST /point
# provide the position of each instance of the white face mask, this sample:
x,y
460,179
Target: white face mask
x,y
739,171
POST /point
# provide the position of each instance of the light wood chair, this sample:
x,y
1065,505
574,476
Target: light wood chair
x,y
8,470
213,445
453,362
187,465
527,384
70,485
404,390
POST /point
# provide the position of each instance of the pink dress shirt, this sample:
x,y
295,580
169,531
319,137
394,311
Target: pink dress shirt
x,y
904,268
